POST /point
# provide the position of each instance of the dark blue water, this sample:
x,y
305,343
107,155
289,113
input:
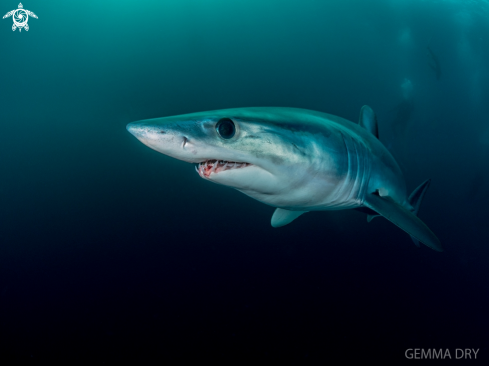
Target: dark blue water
x,y
110,251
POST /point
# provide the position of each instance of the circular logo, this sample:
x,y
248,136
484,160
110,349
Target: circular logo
x,y
20,18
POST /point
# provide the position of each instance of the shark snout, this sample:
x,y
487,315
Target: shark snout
x,y
135,129
162,138
144,132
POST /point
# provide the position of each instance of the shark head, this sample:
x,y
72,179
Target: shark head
x,y
249,149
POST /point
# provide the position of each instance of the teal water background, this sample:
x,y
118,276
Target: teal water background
x,y
111,250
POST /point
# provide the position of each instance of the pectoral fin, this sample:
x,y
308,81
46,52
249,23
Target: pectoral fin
x,y
283,217
404,219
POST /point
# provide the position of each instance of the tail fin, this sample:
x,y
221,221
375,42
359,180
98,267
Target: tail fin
x,y
415,200
404,217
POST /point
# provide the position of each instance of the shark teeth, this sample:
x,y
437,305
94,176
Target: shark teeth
x,y
207,167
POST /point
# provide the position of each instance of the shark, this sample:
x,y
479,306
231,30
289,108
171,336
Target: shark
x,y
295,160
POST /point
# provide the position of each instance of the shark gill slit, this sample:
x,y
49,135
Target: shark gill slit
x,y
357,170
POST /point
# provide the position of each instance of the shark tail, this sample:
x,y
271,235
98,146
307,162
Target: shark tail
x,y
415,200
405,215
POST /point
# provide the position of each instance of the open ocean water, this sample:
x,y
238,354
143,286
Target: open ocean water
x,y
110,251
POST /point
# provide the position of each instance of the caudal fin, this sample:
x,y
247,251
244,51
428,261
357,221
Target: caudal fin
x,y
404,217
415,200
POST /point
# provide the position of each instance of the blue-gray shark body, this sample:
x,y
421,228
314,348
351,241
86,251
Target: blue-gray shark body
x,y
295,160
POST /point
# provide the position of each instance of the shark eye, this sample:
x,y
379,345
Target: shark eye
x,y
225,128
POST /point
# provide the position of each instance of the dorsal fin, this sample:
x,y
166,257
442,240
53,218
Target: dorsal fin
x,y
368,120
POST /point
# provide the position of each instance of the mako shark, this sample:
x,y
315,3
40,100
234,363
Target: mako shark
x,y
296,160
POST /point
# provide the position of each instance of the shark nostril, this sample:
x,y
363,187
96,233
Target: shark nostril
x,y
184,141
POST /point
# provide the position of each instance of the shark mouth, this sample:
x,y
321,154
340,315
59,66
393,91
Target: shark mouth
x,y
207,167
